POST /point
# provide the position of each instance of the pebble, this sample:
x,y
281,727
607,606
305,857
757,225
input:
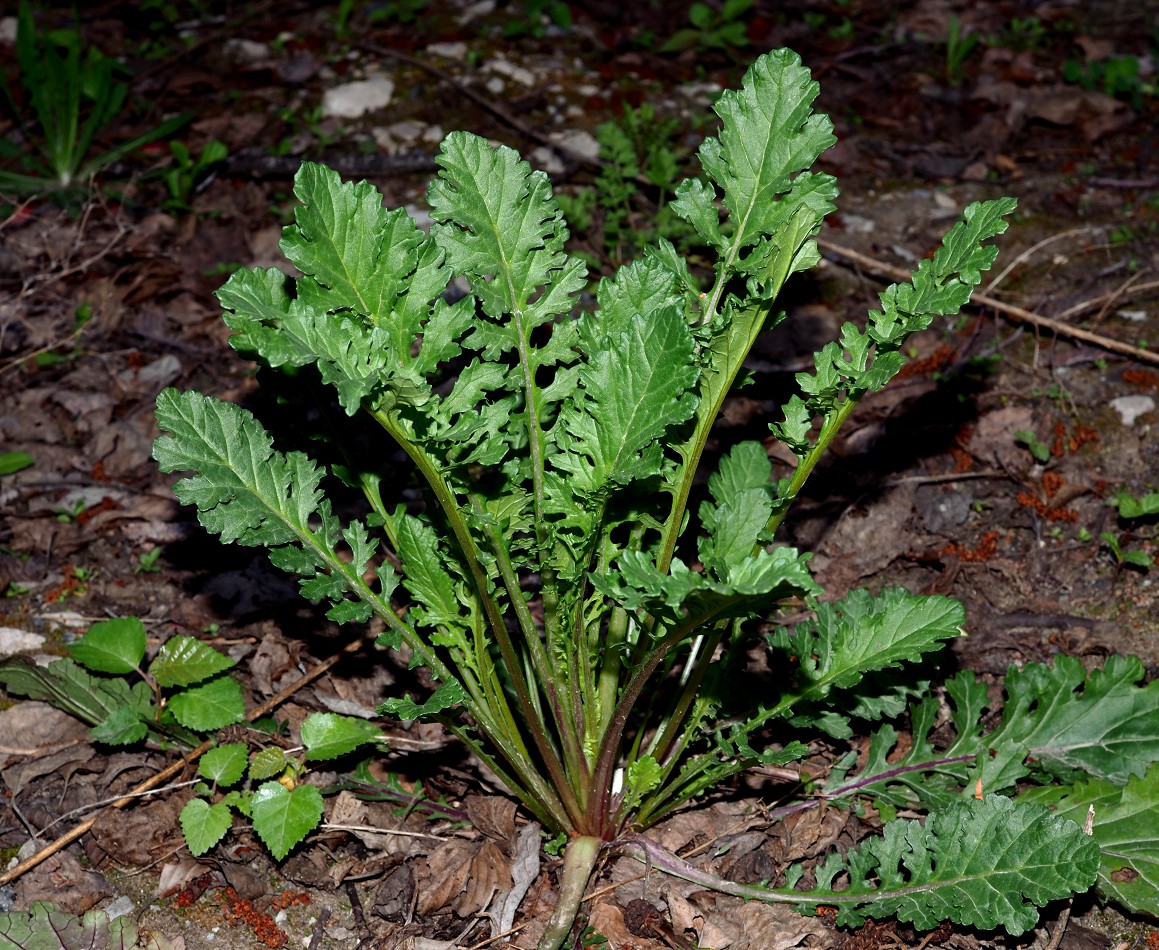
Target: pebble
x,y
1130,408
121,907
580,141
354,99
456,51
14,640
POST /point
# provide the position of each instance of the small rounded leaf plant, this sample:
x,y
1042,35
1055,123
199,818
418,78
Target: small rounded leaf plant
x,y
583,624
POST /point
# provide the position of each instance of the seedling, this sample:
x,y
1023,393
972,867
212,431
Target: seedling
x,y
1039,450
74,95
271,794
584,607
1126,558
147,562
712,28
534,17
614,212
189,176
959,46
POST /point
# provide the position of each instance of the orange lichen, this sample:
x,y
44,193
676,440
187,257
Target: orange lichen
x,y
1143,378
1051,483
939,359
1064,443
985,549
1043,510
238,911
963,460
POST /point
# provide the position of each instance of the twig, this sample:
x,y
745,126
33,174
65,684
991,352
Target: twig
x,y
1028,253
371,829
319,929
167,773
1009,311
1100,300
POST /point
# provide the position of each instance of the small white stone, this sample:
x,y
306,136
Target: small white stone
x,y
14,640
1130,408
504,68
544,158
857,224
354,99
456,51
408,130
580,141
494,85
1135,316
475,10
8,29
247,51
121,907
434,134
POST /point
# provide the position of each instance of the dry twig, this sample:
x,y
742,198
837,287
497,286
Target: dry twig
x,y
1010,311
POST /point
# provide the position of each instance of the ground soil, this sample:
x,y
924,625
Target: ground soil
x,y
107,297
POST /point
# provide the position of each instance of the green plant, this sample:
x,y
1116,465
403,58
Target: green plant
x,y
1117,76
45,925
182,693
1131,507
959,46
1021,33
1040,450
712,28
613,212
1126,558
13,462
147,562
281,808
74,96
587,633
186,176
535,15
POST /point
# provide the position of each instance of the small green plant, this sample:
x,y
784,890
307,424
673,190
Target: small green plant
x,y
959,46
147,562
70,513
74,94
613,213
187,175
1040,450
282,809
13,462
1021,33
584,582
534,16
1131,507
712,28
183,693
1118,76
1126,557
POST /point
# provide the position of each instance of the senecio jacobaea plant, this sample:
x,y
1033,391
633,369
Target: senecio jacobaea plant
x,y
585,626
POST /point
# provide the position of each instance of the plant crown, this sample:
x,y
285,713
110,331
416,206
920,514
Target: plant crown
x,y
584,619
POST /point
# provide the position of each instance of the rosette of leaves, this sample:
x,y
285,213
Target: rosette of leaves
x,y
583,619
